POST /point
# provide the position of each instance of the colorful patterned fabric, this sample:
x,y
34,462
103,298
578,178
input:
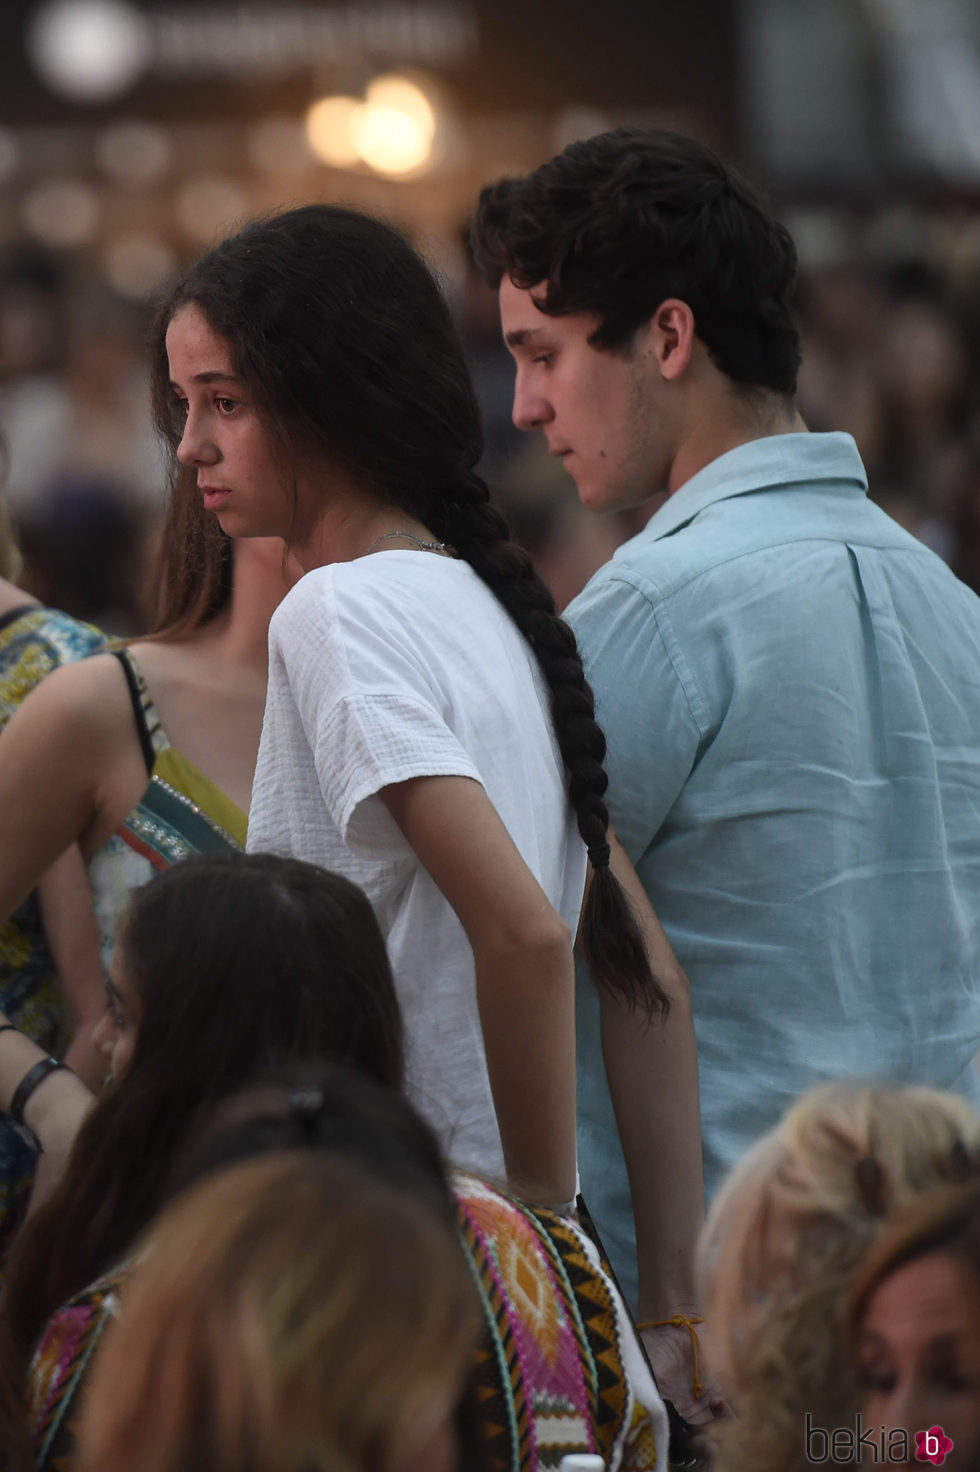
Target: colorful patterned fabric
x,y
58,1368
181,813
560,1369
33,642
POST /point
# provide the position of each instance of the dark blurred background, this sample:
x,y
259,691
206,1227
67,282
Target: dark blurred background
x,y
135,132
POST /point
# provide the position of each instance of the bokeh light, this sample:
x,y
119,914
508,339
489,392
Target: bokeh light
x,y
63,213
89,50
391,130
280,146
137,264
134,153
329,128
210,206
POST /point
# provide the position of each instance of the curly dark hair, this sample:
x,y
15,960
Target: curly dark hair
x,y
620,222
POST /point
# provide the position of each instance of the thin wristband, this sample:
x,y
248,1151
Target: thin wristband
x,y
9,1027
32,1078
682,1321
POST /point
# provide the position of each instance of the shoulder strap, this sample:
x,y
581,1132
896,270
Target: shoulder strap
x,y
18,613
152,736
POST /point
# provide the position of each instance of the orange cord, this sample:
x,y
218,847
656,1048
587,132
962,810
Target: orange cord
x,y
681,1321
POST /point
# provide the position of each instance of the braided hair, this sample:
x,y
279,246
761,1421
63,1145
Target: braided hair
x,y
344,339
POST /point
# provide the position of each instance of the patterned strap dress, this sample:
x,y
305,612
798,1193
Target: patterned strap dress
x,y
33,642
181,812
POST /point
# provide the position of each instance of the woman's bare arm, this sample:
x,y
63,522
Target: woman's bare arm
x,y
72,934
70,760
524,974
54,1112
652,1071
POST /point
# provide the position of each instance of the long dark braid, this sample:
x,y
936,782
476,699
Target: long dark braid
x,y
343,336
609,935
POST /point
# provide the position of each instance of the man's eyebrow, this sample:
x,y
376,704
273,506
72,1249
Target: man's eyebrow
x,y
521,335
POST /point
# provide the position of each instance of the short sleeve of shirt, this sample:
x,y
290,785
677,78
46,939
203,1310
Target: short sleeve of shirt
x,y
648,702
369,700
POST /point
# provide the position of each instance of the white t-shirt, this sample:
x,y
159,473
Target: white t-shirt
x,y
402,665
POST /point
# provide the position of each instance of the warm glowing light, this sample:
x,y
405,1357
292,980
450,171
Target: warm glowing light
x,y
391,130
329,128
389,141
395,127
401,95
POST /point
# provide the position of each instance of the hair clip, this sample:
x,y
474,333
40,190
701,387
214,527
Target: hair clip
x,y
965,1163
871,1184
305,1105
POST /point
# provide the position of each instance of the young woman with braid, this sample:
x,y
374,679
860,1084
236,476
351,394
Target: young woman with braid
x,y
428,730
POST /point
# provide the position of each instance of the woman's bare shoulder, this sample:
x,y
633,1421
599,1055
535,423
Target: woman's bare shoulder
x,y
91,692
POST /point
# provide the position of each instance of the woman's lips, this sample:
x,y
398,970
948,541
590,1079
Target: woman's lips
x,y
213,496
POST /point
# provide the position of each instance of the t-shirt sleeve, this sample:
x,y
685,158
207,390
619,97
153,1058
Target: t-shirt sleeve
x,y
371,709
647,702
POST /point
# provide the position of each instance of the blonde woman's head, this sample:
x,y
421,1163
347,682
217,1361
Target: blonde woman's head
x,y
289,1313
791,1221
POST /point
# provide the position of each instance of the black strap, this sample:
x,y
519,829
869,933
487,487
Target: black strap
x,y
32,1078
136,696
16,613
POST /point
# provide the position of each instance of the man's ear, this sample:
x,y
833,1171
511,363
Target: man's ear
x,y
672,337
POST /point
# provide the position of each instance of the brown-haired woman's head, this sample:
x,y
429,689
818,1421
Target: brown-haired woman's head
x,y
290,1313
227,965
912,1324
337,337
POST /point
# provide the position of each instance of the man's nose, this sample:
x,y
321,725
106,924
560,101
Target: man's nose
x,y
531,410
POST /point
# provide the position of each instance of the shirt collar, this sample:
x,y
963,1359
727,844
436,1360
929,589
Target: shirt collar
x,y
769,464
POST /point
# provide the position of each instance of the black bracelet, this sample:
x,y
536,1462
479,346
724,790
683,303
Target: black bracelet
x,y
29,1083
9,1027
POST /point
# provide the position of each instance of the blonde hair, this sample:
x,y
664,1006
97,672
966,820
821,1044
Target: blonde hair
x,y
782,1239
289,1313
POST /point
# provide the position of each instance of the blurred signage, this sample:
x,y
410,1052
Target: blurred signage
x,y
94,50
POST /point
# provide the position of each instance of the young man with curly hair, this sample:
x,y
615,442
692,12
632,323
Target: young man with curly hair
x,y
788,681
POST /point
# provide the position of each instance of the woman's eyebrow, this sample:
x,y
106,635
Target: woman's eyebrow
x,y
211,375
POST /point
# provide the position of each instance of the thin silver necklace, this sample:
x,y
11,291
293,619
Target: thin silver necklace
x,y
411,537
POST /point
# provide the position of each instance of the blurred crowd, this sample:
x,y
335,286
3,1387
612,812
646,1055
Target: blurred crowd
x,y
891,340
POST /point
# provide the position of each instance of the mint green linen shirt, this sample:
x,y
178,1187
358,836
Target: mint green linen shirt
x,y
790,687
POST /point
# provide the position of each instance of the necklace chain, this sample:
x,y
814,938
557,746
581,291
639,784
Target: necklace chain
x,y
409,537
